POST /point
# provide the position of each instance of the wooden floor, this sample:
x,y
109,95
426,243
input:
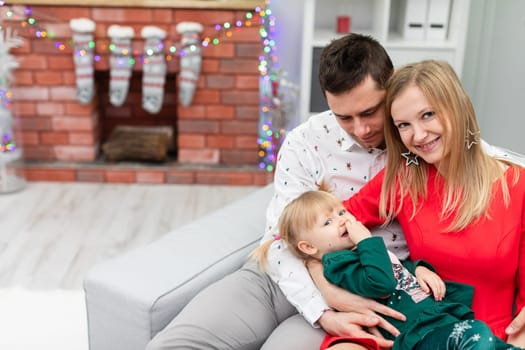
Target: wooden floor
x,y
52,233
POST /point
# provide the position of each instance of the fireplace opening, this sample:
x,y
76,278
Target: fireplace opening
x,y
130,133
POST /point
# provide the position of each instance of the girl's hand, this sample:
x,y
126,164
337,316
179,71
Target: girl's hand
x,y
356,230
430,282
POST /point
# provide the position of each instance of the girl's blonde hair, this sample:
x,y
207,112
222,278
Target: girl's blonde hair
x,y
470,173
298,216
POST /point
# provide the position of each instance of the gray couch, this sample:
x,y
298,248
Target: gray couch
x,y
133,296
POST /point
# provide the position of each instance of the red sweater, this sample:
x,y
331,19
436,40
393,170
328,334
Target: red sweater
x,y
485,255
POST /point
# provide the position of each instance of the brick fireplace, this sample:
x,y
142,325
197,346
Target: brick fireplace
x,y
216,135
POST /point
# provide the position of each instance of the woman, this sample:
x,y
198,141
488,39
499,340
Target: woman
x,y
461,211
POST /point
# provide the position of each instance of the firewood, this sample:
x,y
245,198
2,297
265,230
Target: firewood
x,y
138,143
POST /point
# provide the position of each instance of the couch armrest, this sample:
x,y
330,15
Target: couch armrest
x,y
133,296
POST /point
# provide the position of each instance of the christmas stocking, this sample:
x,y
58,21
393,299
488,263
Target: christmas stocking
x,y
84,45
190,62
120,62
154,75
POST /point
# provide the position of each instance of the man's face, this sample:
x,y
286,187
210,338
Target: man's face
x,y
361,113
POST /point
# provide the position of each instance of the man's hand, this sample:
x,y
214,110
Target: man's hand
x,y
352,324
430,282
516,330
347,302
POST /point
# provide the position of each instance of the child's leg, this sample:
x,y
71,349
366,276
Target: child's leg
x,y
463,335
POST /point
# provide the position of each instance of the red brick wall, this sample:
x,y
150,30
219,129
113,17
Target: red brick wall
x,y
219,127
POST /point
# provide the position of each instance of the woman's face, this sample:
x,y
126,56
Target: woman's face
x,y
419,127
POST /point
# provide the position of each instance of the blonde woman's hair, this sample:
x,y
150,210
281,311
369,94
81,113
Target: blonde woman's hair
x,y
470,173
298,216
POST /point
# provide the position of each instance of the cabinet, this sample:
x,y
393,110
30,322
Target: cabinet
x,y
382,19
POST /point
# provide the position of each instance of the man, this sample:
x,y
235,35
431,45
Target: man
x,y
343,148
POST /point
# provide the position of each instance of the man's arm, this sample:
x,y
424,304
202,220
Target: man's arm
x,y
298,171
503,154
294,175
360,311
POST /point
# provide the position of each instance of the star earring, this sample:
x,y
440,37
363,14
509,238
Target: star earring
x,y
472,138
411,158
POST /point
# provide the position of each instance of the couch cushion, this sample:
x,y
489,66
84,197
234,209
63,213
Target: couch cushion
x,y
131,297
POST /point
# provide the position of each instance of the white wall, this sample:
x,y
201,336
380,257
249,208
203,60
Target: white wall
x,y
289,31
288,36
494,70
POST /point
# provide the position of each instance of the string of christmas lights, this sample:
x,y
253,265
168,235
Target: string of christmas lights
x,y
272,114
278,102
10,154
267,136
27,21
8,63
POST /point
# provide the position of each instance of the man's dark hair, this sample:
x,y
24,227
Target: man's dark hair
x,y
347,61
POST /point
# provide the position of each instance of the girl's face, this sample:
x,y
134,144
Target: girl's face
x,y
329,232
420,129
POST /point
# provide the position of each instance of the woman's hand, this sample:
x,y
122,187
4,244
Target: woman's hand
x,y
353,324
516,330
362,309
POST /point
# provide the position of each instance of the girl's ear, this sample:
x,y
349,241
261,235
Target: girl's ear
x,y
307,247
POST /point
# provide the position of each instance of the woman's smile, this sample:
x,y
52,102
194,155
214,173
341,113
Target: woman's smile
x,y
429,146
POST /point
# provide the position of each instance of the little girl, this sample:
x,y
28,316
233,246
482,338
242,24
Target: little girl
x,y
317,226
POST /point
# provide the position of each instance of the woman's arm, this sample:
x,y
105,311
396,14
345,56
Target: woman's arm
x,y
364,205
516,330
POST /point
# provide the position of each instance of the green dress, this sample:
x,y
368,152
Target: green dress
x,y
371,271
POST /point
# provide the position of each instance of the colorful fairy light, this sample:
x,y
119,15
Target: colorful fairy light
x,y
29,22
268,137
7,144
8,40
271,128
278,104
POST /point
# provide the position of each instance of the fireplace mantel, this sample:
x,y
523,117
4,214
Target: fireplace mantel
x,y
200,4
216,137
